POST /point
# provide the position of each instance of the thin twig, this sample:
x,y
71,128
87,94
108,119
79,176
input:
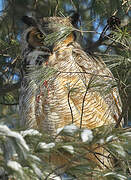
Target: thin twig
x,y
73,5
14,60
57,5
96,75
5,55
103,39
70,106
101,161
82,110
54,170
9,104
69,101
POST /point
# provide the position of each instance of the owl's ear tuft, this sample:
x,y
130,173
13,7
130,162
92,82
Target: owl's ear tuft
x,y
75,18
29,21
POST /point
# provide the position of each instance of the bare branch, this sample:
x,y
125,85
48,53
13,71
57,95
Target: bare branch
x,y
82,110
70,105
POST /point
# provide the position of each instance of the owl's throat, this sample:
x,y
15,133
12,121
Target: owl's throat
x,y
66,42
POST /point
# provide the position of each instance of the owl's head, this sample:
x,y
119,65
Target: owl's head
x,y
48,31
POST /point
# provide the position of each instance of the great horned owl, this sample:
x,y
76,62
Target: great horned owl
x,y
80,92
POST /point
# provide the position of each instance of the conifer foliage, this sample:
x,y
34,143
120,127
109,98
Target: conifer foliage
x,y
104,31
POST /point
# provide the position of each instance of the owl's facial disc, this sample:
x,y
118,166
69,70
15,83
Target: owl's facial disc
x,y
49,31
35,38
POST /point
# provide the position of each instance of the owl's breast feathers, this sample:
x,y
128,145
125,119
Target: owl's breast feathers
x,y
73,95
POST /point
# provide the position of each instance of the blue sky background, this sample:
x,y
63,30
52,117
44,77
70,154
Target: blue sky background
x,y
1,7
69,7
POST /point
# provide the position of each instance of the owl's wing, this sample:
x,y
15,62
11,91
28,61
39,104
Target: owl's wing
x,y
27,104
101,87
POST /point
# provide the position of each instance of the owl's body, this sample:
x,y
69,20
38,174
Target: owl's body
x,y
76,93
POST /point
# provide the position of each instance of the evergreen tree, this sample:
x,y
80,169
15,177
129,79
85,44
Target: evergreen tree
x,y
104,30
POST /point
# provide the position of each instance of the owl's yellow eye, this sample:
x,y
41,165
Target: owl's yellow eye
x,y
40,36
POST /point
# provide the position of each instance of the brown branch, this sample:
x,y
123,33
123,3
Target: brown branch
x,y
57,5
70,106
14,60
8,88
9,104
101,161
87,88
5,55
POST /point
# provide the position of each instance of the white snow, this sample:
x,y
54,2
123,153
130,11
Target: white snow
x,y
69,148
128,134
34,157
30,132
86,135
54,176
110,138
15,166
59,130
121,177
109,173
37,170
119,149
71,129
4,130
101,141
45,146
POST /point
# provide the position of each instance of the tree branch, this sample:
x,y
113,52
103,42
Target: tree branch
x,y
96,44
8,88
